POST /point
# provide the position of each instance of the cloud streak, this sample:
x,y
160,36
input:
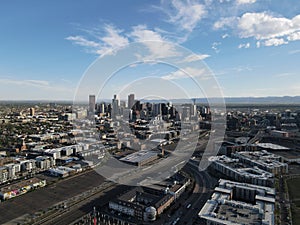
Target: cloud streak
x,y
187,72
33,83
112,39
185,14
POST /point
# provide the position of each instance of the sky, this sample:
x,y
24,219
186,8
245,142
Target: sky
x,y
250,47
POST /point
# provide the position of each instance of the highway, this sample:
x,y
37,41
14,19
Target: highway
x,y
204,186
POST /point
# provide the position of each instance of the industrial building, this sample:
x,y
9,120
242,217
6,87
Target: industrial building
x,y
140,158
234,203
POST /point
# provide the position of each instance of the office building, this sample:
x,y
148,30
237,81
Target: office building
x,y
130,100
115,111
31,111
92,103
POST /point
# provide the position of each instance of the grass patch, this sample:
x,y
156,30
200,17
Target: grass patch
x,y
293,187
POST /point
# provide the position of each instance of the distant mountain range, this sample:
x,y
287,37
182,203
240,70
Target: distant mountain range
x,y
264,100
291,100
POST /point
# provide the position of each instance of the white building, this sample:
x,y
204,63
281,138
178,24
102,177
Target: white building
x,y
233,169
263,160
235,203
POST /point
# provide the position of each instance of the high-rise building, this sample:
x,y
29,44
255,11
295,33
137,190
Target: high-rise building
x,y
130,100
157,109
115,107
92,103
31,111
101,107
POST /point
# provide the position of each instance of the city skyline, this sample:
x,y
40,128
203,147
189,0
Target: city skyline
x,y
252,47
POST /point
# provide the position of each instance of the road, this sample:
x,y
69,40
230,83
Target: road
x,y
204,186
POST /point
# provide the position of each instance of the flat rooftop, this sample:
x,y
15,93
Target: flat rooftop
x,y
223,209
139,156
238,214
238,167
292,154
263,158
272,146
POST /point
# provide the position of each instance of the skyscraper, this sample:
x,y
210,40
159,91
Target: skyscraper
x,y
31,111
92,103
115,107
130,100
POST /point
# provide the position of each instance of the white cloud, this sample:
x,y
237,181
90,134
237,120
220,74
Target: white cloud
x,y
263,26
79,40
33,83
215,46
225,22
284,75
186,14
187,72
194,57
113,37
247,45
111,40
157,45
275,42
242,2
141,33
294,36
225,36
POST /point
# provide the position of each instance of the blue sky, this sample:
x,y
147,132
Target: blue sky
x,y
252,46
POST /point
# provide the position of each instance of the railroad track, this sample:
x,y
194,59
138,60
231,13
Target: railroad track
x,y
68,205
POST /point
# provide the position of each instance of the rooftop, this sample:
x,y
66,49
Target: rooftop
x,y
139,156
263,158
223,209
239,213
272,146
240,168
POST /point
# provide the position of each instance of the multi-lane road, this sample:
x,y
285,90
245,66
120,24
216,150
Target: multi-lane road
x,y
190,207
